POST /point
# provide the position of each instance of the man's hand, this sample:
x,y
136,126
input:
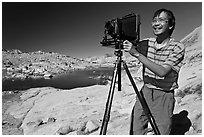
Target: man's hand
x,y
128,47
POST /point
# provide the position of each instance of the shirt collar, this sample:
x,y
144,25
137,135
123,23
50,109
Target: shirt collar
x,y
163,44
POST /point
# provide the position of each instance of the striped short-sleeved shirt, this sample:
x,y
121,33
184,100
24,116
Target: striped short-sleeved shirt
x,y
172,53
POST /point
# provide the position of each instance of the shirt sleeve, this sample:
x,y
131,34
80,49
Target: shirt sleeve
x,y
176,57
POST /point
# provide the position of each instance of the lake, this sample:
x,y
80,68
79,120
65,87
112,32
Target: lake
x,y
69,80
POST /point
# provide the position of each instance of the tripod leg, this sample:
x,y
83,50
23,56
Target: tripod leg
x,y
143,102
119,74
109,101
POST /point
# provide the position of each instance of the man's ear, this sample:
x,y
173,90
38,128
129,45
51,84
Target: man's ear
x,y
170,27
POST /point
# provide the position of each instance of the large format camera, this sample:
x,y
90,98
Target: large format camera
x,y
120,29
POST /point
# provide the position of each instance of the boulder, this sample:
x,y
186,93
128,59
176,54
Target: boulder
x,y
64,130
47,75
91,127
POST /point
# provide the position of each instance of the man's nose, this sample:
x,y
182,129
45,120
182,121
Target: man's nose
x,y
157,23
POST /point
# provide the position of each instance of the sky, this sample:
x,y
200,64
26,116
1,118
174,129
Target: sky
x,y
77,28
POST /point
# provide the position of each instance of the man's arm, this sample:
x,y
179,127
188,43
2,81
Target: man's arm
x,y
160,70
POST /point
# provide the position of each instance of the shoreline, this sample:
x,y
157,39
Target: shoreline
x,y
22,76
100,74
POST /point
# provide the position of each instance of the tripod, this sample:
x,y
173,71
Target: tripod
x,y
117,71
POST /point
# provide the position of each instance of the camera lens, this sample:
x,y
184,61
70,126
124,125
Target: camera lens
x,y
110,27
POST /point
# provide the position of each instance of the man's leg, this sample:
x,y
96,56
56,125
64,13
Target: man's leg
x,y
139,120
161,105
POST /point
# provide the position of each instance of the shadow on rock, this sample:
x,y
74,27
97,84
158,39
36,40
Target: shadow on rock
x,y
180,123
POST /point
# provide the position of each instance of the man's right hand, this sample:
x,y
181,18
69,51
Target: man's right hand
x,y
128,47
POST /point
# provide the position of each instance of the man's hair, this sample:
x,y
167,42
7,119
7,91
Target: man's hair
x,y
171,18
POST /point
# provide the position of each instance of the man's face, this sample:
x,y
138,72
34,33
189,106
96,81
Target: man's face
x,y
160,24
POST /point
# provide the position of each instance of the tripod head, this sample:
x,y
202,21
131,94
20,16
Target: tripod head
x,y
118,53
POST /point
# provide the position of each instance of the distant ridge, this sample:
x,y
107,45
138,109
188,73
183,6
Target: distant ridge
x,y
194,36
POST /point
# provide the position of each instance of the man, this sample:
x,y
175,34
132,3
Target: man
x,y
161,58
